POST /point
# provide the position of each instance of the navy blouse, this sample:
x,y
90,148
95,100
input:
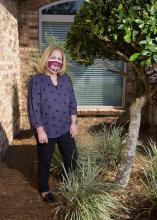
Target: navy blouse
x,y
51,106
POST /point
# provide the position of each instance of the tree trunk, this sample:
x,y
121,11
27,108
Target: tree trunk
x,y
125,168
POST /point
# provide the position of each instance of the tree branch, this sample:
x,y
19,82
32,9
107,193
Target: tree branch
x,y
154,90
122,55
134,46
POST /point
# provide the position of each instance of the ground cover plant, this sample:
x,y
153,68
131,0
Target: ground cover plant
x,y
85,194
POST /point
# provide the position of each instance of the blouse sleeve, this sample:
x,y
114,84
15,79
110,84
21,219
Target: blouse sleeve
x,y
34,102
73,103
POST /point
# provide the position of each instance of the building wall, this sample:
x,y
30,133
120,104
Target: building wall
x,y
29,44
19,40
9,73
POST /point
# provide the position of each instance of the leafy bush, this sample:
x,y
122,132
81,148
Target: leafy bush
x,y
83,195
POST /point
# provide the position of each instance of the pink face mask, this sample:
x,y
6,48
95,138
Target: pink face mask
x,y
54,65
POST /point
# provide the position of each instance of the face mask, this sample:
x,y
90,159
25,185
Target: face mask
x,y
54,65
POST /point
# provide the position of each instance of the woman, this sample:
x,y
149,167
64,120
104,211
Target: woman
x,y
52,111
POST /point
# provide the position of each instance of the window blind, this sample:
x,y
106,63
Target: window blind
x,y
95,85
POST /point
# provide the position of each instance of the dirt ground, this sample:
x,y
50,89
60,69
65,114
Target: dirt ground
x,y
19,197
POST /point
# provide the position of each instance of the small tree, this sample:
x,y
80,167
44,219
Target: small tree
x,y
125,30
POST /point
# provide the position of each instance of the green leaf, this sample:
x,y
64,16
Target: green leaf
x,y
121,26
88,21
115,37
141,25
142,42
120,7
134,57
148,39
127,38
145,52
148,7
96,28
136,8
155,58
101,30
134,34
139,21
120,10
109,28
152,48
148,62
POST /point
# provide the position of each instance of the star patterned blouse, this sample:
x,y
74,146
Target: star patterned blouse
x,y
51,106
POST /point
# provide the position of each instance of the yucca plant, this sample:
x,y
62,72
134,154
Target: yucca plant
x,y
83,195
110,142
105,149
86,150
56,163
151,171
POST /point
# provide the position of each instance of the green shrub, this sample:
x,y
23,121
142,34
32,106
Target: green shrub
x,y
83,195
110,144
105,149
151,171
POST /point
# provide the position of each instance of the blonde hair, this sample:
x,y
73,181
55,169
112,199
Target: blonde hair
x,y
43,60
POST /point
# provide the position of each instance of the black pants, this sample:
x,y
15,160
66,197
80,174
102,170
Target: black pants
x,y
67,147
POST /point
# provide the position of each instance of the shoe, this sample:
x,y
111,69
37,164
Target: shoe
x,y
48,197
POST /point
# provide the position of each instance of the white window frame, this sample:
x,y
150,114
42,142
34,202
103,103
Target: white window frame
x,y
70,18
55,18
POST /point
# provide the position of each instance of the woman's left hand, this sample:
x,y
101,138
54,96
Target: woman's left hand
x,y
73,130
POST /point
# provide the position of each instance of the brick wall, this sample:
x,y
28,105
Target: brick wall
x,y
9,73
29,44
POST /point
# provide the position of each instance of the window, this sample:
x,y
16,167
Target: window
x,y
96,85
63,8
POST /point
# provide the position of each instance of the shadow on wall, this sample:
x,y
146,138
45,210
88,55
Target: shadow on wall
x,y
15,111
3,141
19,156
22,157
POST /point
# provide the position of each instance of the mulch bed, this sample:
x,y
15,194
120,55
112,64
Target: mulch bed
x,y
19,197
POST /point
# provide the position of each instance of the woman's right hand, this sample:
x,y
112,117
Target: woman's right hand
x,y
42,136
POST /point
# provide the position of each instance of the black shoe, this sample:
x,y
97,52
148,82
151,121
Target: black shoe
x,y
48,197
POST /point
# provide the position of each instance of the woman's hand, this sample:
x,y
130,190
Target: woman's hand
x,y
73,130
42,136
